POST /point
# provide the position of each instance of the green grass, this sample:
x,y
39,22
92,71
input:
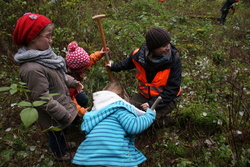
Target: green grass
x,y
210,127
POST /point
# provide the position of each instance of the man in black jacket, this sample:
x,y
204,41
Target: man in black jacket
x,y
225,9
158,71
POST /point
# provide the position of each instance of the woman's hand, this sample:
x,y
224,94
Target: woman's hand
x,y
145,106
109,64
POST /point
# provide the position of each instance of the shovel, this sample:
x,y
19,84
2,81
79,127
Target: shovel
x,y
113,85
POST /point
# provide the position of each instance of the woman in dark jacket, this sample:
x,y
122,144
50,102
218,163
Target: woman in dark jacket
x,y
158,69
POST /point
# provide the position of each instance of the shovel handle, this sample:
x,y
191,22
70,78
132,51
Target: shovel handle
x,y
104,45
98,18
156,102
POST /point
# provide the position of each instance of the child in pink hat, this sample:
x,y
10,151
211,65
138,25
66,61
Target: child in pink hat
x,y
78,60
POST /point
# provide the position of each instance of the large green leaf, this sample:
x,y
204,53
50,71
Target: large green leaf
x,y
4,89
38,103
24,104
13,86
29,116
13,91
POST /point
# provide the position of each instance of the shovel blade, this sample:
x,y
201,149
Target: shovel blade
x,y
117,88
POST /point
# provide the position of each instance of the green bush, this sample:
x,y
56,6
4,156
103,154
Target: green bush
x,y
215,83
202,119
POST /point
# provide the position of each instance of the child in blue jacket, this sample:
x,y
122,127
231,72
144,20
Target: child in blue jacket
x,y
110,128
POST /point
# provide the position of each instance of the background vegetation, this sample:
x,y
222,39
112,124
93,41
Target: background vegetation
x,y
211,125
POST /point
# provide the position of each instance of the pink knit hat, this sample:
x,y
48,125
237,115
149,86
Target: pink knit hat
x,y
76,57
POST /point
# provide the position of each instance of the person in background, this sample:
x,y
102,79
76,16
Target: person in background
x,y
44,73
158,71
225,9
78,60
110,128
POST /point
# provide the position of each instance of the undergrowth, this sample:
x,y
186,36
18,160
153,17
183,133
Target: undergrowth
x,y
210,126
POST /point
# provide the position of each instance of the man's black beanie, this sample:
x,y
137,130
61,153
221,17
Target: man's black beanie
x,y
157,37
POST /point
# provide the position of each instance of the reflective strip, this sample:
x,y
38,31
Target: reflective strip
x,y
142,85
154,96
142,88
160,89
152,88
144,94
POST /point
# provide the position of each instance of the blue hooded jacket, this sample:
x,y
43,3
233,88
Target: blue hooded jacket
x,y
110,129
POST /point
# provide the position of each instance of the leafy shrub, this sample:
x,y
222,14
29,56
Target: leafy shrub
x,y
202,118
215,81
